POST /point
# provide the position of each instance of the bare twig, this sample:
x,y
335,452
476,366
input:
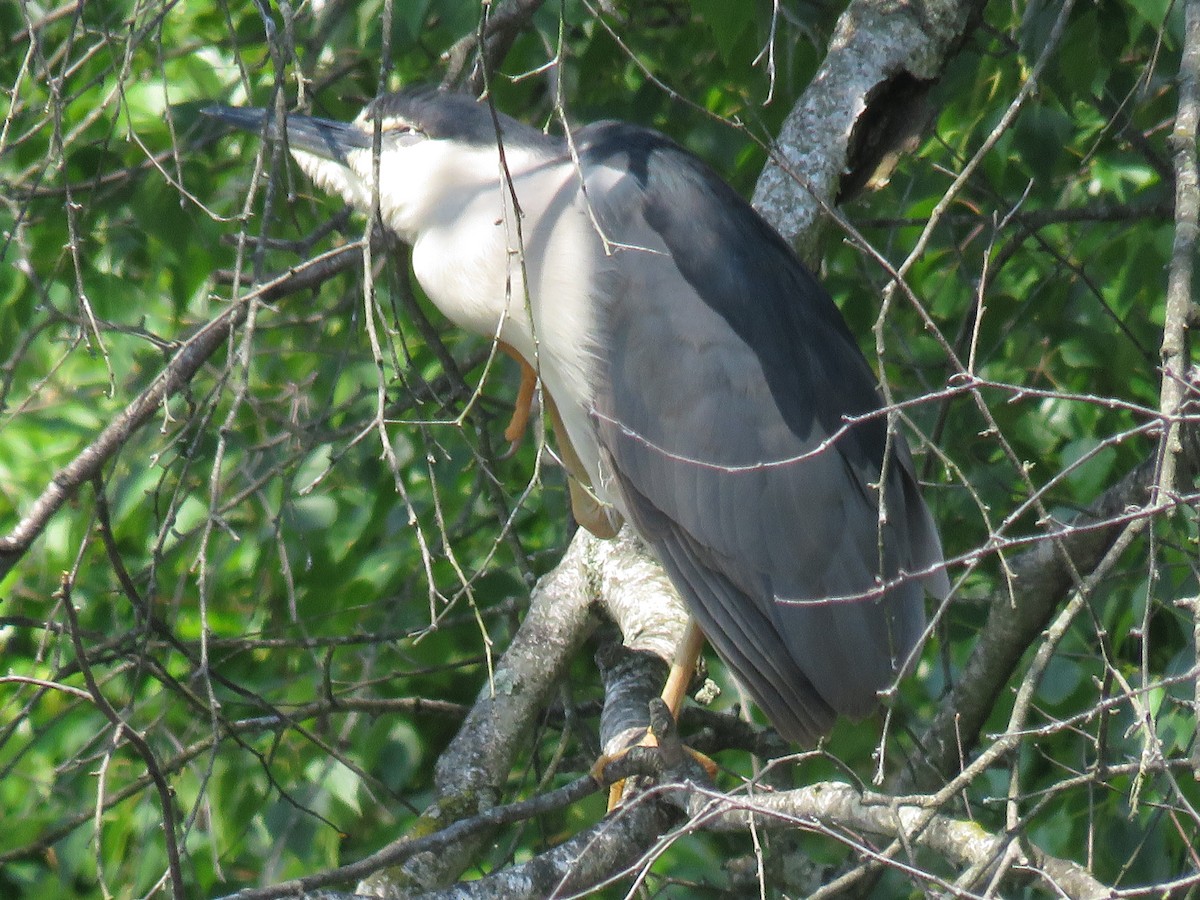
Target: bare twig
x,y
166,796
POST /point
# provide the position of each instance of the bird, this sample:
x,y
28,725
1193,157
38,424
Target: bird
x,y
701,383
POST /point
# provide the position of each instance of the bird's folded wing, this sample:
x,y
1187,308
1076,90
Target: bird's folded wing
x,y
728,408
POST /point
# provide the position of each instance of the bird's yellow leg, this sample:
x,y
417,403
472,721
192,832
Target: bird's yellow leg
x,y
683,667
596,517
524,404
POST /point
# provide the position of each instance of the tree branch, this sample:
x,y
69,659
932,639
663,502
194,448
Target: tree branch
x,y
504,26
477,763
845,814
1181,277
883,58
612,847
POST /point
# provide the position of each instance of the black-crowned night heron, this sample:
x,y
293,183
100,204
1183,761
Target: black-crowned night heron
x,y
711,391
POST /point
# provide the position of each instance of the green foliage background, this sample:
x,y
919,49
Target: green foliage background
x,y
295,574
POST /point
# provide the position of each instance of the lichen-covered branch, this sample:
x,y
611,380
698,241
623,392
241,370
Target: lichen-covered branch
x,y
864,99
1181,304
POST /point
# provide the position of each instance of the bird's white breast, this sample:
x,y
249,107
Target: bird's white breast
x,y
474,257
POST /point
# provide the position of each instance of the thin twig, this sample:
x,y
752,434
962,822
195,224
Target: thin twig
x,y
166,797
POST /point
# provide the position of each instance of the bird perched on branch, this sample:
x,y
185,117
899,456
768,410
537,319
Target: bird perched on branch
x,y
702,384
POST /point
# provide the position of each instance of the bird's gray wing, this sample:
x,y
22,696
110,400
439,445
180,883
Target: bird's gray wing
x,y
725,380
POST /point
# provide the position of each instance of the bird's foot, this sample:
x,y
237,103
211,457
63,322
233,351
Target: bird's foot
x,y
671,755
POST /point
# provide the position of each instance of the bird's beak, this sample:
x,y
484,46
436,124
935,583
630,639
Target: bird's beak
x,y
320,137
